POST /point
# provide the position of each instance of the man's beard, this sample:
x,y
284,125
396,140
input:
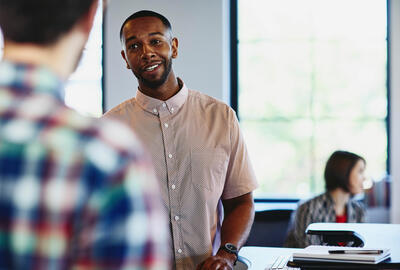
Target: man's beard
x,y
156,83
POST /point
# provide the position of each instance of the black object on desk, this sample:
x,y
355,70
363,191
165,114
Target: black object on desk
x,y
334,237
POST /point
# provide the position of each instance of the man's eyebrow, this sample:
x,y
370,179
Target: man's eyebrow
x,y
150,34
156,33
130,38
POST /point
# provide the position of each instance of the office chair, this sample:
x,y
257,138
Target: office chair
x,y
269,228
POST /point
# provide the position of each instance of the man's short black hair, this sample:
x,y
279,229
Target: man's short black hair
x,y
145,13
338,168
40,22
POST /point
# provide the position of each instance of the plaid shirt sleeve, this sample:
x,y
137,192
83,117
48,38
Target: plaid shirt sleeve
x,y
122,225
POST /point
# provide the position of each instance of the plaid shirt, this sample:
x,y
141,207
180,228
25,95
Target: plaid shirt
x,y
75,193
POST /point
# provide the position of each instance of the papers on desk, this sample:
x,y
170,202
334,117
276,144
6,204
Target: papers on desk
x,y
341,254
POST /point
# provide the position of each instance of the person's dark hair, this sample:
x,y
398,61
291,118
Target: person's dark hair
x,y
338,168
145,13
40,22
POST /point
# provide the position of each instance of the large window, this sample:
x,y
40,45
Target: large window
x,y
312,79
83,90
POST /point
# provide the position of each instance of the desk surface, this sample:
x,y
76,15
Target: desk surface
x,y
262,257
375,235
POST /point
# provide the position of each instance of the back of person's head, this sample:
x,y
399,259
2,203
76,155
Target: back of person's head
x,y
338,168
146,13
40,22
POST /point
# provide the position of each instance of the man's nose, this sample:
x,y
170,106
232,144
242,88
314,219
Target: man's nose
x,y
147,52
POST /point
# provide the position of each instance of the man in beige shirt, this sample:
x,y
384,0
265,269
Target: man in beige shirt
x,y
197,149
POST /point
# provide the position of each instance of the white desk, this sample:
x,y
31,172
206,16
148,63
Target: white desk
x,y
261,257
376,235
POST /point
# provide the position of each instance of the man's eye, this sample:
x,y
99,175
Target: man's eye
x,y
133,46
155,41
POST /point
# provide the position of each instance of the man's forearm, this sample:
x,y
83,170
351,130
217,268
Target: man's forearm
x,y
238,219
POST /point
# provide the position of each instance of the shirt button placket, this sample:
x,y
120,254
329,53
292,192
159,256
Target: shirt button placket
x,y
169,149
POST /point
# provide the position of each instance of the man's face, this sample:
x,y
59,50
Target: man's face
x,y
148,50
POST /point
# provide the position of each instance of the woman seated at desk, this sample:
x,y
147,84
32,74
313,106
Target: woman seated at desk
x,y
344,177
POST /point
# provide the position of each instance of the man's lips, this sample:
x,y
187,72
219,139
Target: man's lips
x,y
151,67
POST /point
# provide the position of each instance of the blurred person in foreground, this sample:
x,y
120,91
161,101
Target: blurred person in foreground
x,y
75,193
198,151
344,177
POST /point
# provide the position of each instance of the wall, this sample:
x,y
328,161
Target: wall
x,y
395,108
202,30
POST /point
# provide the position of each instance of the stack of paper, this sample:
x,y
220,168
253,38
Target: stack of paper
x,y
341,254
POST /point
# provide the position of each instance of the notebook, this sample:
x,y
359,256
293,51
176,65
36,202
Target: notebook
x,y
343,254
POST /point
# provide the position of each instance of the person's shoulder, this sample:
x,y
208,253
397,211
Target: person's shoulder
x,y
357,204
104,141
205,100
121,108
311,202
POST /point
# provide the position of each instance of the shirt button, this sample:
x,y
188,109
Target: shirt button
x,y
179,251
173,186
166,125
164,105
170,155
172,110
176,218
155,110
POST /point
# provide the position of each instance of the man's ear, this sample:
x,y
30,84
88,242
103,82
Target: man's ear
x,y
88,18
123,56
174,45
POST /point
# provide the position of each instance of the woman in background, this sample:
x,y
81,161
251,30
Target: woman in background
x,y
344,177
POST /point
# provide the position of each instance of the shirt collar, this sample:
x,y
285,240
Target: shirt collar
x,y
156,106
28,78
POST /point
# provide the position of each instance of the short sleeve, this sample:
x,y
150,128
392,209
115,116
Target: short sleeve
x,y
240,178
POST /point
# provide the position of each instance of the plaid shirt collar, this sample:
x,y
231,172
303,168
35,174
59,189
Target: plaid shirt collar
x,y
26,79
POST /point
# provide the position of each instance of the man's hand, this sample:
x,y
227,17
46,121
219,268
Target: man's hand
x,y
239,215
221,261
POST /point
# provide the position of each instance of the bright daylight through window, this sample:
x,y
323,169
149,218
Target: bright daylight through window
x,y
83,91
312,79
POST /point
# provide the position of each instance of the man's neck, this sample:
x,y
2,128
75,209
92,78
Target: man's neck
x,y
164,91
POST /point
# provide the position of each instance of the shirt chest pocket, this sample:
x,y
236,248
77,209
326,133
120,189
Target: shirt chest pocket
x,y
208,168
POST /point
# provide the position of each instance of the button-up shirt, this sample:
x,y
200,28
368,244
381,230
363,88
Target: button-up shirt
x,y
200,158
75,192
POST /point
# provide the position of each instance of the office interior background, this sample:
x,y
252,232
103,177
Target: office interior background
x,y
305,77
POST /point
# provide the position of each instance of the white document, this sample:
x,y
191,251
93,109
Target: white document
x,y
350,255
